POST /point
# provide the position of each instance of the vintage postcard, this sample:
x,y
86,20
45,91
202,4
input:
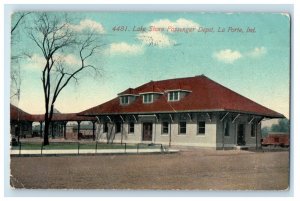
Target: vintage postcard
x,y
150,100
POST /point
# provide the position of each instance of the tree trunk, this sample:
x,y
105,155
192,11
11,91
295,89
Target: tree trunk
x,y
46,132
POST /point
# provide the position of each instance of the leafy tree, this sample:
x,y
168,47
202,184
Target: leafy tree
x,y
282,126
265,130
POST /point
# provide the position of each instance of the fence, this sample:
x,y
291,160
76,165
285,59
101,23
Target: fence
x,y
84,148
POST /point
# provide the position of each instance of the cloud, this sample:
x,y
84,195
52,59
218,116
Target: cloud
x,y
125,48
69,59
180,23
37,61
227,56
155,39
257,52
87,24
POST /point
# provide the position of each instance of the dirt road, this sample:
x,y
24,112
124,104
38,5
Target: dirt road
x,y
190,169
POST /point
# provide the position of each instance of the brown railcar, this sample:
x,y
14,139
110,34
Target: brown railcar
x,y
276,139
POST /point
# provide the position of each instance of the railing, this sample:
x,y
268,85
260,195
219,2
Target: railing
x,y
79,147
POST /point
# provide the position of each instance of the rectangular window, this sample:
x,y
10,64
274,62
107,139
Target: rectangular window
x,y
252,130
131,127
118,127
173,96
226,129
165,128
182,128
124,100
105,128
147,98
201,127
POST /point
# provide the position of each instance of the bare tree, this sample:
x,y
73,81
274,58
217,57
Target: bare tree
x,y
20,18
15,74
54,36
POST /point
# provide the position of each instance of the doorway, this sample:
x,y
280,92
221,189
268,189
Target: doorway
x,y
147,131
241,135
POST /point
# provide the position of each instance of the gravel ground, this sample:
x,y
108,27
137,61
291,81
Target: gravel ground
x,y
190,169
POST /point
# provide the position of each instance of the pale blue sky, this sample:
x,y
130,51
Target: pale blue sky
x,y
255,65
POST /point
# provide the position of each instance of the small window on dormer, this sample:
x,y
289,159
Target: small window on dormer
x,y
124,100
147,98
173,96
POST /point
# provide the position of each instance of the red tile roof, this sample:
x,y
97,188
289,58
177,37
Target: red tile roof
x,y
206,95
16,114
128,91
63,117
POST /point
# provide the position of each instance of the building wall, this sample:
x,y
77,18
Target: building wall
x,y
213,136
189,139
231,140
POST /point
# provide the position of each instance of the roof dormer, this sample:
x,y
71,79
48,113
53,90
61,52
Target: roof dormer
x,y
150,97
176,94
128,96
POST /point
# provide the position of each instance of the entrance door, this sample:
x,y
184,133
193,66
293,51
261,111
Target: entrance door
x,y
147,131
241,135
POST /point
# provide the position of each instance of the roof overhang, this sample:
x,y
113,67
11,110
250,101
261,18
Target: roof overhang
x,y
189,111
120,95
151,92
184,90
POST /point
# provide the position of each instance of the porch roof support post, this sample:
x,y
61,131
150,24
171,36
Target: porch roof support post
x,y
109,119
223,135
78,129
52,130
98,120
170,115
122,118
235,118
170,136
255,126
209,117
259,121
189,115
251,120
41,129
93,122
134,118
224,116
65,129
156,117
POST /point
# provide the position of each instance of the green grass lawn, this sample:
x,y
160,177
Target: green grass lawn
x,y
74,145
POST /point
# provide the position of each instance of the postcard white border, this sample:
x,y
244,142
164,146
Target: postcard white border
x,y
116,193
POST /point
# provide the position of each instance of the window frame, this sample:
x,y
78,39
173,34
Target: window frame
x,y
145,100
252,131
171,96
201,127
163,127
227,129
124,100
180,127
129,128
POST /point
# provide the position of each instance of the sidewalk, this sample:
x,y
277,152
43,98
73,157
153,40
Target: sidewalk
x,y
89,151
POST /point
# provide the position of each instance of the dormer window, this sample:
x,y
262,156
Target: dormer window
x,y
127,99
173,96
124,100
176,94
148,98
